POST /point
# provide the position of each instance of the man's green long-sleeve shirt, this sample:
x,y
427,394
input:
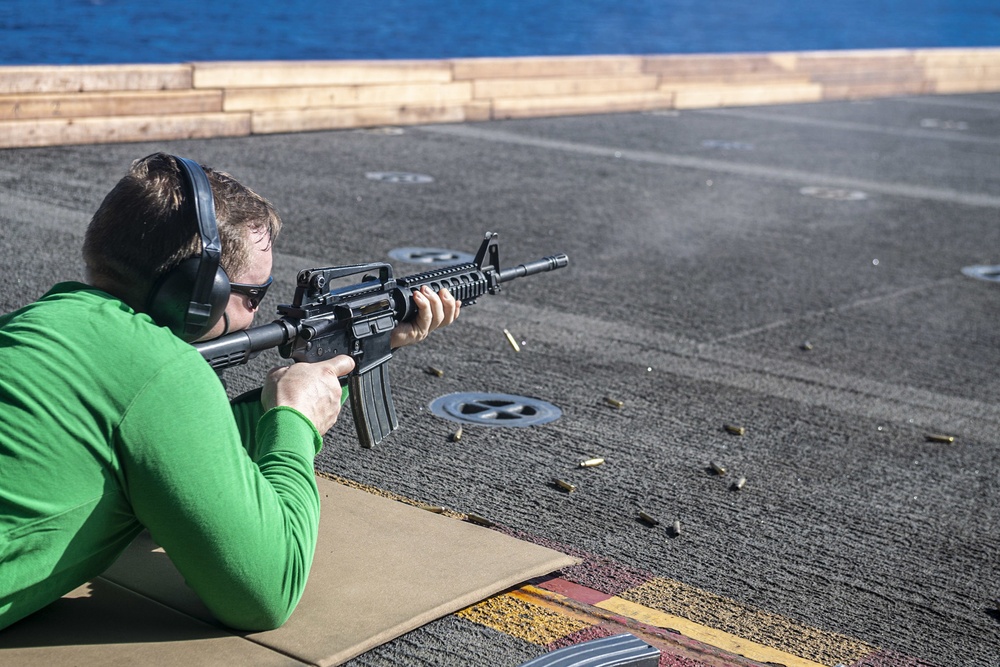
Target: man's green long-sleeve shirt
x,y
108,424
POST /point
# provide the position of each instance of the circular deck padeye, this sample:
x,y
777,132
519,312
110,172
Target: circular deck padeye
x,y
398,177
432,256
494,409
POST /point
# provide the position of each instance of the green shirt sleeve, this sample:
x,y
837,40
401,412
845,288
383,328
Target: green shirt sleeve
x,y
247,411
240,523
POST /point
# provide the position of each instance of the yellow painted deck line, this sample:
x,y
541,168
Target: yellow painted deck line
x,y
558,603
759,626
524,618
706,635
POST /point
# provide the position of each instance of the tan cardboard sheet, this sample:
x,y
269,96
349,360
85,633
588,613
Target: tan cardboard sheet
x,y
382,568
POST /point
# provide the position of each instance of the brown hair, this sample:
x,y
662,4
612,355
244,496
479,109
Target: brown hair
x,y
144,227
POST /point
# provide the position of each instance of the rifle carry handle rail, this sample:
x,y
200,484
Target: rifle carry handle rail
x,y
357,320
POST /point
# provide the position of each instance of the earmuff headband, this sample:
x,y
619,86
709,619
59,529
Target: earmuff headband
x,y
198,189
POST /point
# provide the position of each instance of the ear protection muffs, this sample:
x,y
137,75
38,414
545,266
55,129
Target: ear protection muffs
x,y
192,297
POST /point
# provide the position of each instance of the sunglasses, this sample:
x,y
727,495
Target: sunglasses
x,y
253,293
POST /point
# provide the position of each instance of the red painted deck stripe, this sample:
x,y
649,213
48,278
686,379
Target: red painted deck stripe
x,y
573,591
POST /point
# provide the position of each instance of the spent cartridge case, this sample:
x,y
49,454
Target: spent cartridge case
x,y
646,518
436,509
510,339
478,520
564,485
590,463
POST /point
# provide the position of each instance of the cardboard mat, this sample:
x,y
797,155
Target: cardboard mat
x,y
382,568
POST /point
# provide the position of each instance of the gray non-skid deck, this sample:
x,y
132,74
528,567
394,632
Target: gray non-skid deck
x,y
707,248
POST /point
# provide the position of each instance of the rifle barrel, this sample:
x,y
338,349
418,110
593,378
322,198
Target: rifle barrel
x,y
550,263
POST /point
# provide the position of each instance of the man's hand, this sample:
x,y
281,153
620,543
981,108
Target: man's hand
x,y
433,311
311,388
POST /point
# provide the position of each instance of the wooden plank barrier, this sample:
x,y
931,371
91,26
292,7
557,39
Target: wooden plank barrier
x,y
59,105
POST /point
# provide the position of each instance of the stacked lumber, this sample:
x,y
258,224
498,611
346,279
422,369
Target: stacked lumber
x,y
699,81
954,71
52,105
84,104
559,86
327,95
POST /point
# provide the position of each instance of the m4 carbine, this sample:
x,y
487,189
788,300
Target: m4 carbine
x,y
324,321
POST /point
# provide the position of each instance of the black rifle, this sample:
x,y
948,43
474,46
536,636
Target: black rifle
x,y
324,321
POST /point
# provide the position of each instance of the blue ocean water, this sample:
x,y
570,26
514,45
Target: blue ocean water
x,y
138,31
